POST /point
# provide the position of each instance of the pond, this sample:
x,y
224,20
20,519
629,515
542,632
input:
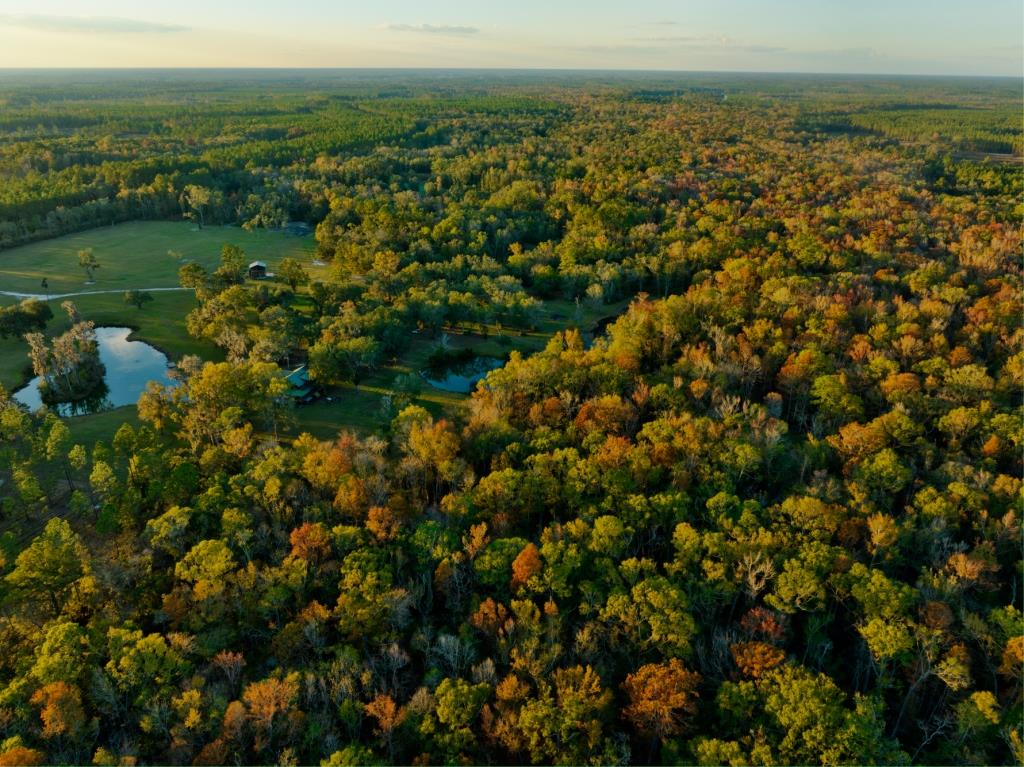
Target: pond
x,y
600,327
130,366
462,378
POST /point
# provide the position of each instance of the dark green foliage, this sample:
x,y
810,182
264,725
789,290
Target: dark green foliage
x,y
18,319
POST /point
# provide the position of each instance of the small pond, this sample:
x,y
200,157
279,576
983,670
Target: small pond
x,y
462,378
130,366
600,327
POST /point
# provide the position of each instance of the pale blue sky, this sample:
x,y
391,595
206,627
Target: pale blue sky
x,y
871,36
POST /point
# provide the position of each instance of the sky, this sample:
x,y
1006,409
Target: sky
x,y
965,37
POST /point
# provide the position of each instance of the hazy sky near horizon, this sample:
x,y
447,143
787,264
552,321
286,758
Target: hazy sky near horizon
x,y
979,37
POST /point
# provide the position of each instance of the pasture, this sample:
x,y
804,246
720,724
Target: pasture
x,y
134,255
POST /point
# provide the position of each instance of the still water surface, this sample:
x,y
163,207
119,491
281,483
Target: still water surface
x,y
462,378
130,366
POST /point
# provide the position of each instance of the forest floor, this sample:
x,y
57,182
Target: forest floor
x,y
135,256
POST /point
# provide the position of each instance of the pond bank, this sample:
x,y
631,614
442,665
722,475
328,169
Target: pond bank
x,y
130,366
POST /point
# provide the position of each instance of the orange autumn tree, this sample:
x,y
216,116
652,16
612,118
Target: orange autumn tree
x,y
19,756
756,658
661,698
270,709
311,542
525,566
389,716
61,705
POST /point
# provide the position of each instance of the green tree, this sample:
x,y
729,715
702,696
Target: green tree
x,y
142,665
232,265
137,298
291,271
563,724
193,276
62,656
197,199
451,726
87,261
652,615
50,565
207,567
344,360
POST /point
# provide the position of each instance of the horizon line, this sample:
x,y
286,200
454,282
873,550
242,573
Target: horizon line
x,y
524,69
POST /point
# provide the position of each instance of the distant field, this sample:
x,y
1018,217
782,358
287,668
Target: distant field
x,y
134,255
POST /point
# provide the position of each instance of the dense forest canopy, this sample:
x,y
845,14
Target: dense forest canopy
x,y
772,515
120,147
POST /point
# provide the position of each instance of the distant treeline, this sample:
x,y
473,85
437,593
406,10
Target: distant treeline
x,y
79,151
998,129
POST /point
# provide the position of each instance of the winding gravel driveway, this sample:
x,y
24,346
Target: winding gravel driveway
x,y
44,297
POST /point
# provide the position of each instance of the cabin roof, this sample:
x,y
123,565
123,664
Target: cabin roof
x,y
298,377
299,384
257,265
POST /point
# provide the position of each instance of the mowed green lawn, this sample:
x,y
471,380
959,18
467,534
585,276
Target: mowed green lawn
x,y
134,255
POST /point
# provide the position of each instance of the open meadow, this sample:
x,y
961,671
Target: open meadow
x,y
132,255
135,255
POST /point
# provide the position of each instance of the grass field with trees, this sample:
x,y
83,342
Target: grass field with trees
x,y
743,483
136,255
131,256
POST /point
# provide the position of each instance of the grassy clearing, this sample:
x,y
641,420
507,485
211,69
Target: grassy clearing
x,y
134,255
90,429
359,408
161,323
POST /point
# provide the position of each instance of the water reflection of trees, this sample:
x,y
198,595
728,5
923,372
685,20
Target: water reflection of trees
x,y
70,366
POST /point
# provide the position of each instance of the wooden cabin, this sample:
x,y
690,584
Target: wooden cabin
x,y
300,388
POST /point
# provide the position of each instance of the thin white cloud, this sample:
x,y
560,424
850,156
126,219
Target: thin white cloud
x,y
707,42
94,24
432,29
613,48
691,39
